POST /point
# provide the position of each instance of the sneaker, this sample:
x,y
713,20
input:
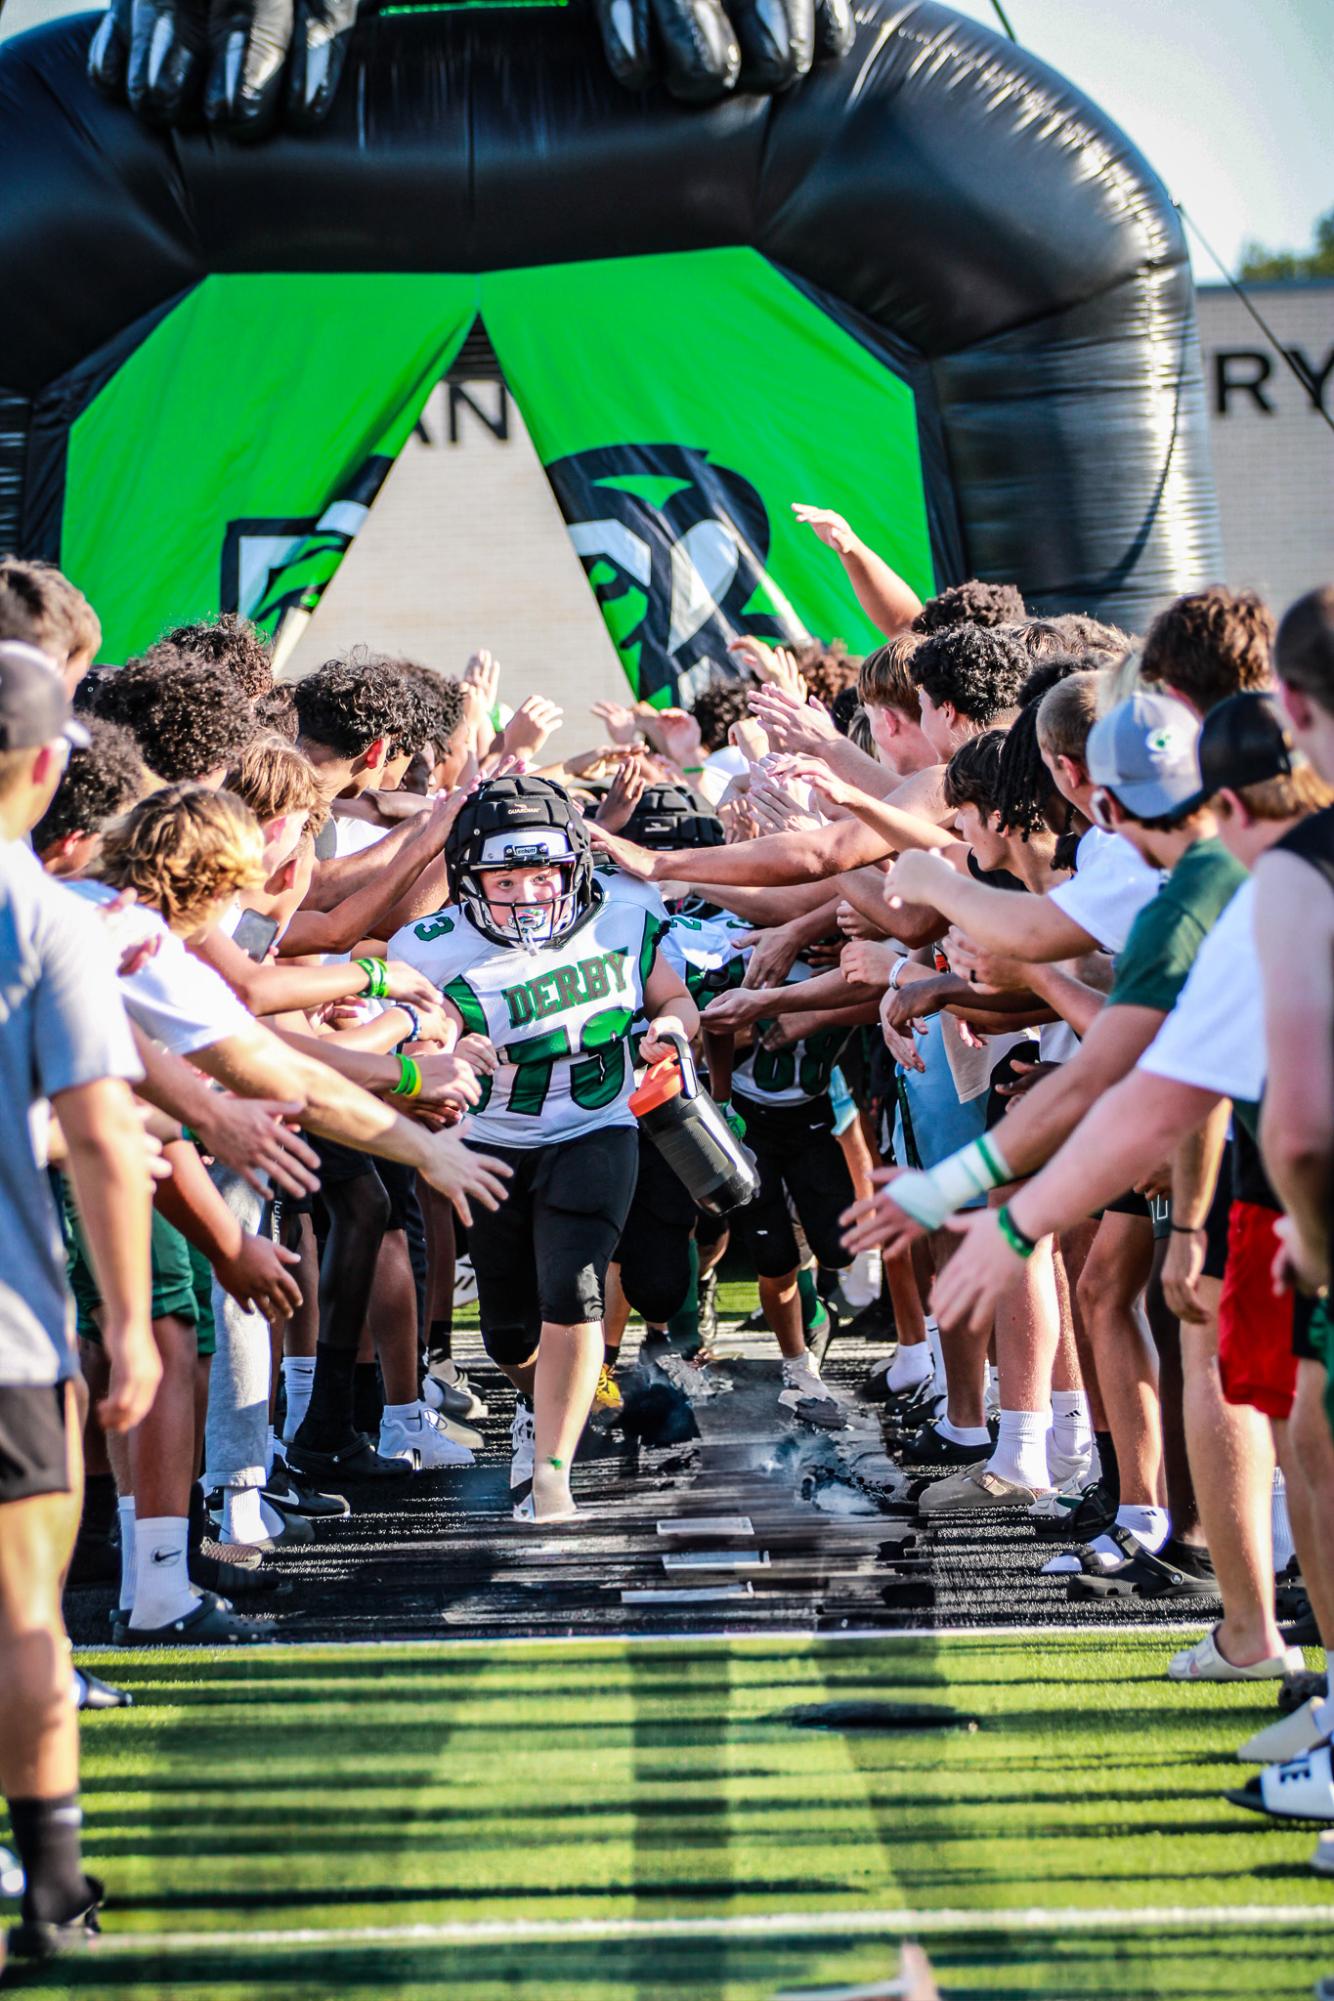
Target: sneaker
x,y
292,1494
458,1397
802,1379
423,1441
523,1455
11,1874
465,1283
39,1940
973,1487
439,1404
706,1312
91,1692
1203,1662
1058,1504
607,1395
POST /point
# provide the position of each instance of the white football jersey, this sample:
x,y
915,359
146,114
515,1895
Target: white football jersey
x,y
795,1075
559,1015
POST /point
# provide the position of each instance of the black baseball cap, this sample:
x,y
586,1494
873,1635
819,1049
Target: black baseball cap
x,y
1244,741
34,708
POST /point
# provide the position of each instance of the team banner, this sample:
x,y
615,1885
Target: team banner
x,y
679,404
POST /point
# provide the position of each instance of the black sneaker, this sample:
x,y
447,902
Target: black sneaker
x,y
928,1448
39,1939
291,1494
1092,1515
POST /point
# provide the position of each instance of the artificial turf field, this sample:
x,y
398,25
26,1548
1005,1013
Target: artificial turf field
x,y
622,1819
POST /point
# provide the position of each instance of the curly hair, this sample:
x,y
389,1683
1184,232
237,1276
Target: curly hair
x,y
1211,644
100,781
827,668
438,705
718,705
347,705
979,669
972,776
230,642
1029,800
275,713
1304,647
971,603
183,850
39,604
189,715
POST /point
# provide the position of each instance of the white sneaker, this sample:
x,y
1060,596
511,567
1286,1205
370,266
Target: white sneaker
x,y
523,1456
465,1283
802,1379
423,1441
860,1283
443,1406
457,1396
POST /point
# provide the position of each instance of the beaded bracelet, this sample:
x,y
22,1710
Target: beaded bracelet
x,y
414,1034
1020,1243
409,1083
377,977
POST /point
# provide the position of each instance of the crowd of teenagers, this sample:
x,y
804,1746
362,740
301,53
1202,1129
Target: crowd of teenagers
x,y
1008,951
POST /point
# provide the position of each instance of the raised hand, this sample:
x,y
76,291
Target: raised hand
x,y
624,794
622,723
676,734
791,721
533,722
831,528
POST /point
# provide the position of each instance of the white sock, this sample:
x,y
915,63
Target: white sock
x,y
963,1434
125,1514
1149,1526
247,1516
162,1588
910,1367
933,1343
298,1381
991,1398
1071,1424
1021,1449
270,1453
1282,1527
402,1413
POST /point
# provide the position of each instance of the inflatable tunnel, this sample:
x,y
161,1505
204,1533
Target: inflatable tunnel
x,y
932,288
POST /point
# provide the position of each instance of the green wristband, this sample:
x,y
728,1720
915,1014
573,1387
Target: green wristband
x,y
377,977
409,1083
1023,1246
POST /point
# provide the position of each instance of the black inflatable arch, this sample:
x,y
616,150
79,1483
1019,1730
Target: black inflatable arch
x,y
959,209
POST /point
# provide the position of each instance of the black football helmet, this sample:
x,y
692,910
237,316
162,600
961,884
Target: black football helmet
x,y
668,816
521,823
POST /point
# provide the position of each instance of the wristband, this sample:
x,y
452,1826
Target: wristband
x,y
692,770
895,972
415,1034
1187,1229
932,1195
1020,1243
377,977
409,1083
187,1132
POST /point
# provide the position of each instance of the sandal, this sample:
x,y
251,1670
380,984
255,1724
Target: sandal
x,y
1303,1789
209,1623
1144,1575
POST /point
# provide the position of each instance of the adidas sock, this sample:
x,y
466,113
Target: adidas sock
x,y
125,1515
910,1367
1149,1526
1109,1471
46,1835
162,1589
298,1381
247,1516
963,1434
1282,1527
1070,1442
1021,1449
327,1424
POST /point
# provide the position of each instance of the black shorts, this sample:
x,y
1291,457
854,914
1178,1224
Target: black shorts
x,y
654,1251
340,1165
799,1160
543,1254
34,1451
1216,1222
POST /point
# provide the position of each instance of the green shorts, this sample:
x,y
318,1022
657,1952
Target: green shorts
x,y
182,1281
1320,1340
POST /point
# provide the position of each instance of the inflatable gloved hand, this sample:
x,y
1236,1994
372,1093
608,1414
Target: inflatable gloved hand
x,y
702,49
246,64
242,63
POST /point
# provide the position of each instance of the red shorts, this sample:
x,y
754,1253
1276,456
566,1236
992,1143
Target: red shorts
x,y
1255,1358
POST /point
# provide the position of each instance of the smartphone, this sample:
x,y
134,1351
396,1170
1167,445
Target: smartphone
x,y
254,934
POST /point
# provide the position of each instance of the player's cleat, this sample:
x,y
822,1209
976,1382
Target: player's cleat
x,y
424,1440
37,1939
607,1395
802,1380
448,1389
523,1453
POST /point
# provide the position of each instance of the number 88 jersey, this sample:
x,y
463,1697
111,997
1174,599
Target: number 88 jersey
x,y
558,1015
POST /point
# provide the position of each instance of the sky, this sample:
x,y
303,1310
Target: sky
x,y
1228,100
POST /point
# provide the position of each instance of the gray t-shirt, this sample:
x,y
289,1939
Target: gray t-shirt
x,y
61,1025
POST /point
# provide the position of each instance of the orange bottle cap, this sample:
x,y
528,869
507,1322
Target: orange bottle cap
x,y
662,1082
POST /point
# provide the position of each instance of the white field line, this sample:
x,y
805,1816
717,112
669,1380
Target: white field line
x,y
797,1924
779,1636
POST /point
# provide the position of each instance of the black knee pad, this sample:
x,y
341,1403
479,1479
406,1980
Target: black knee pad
x,y
656,1279
511,1346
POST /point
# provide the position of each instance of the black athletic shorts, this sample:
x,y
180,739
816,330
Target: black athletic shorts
x,y
341,1164
800,1161
1216,1222
654,1251
34,1451
543,1254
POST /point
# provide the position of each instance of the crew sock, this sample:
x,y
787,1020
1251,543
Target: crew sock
x,y
910,1367
298,1381
1070,1442
161,1584
367,1401
1021,1449
247,1516
46,1835
1282,1527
